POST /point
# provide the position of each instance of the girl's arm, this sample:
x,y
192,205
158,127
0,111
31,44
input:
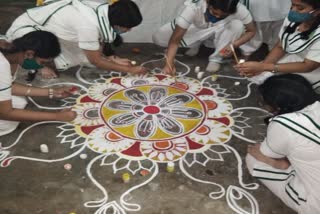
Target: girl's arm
x,y
275,54
25,90
281,163
250,69
270,64
173,46
97,59
7,112
292,67
250,32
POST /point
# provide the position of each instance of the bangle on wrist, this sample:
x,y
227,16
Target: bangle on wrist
x,y
50,93
275,68
28,91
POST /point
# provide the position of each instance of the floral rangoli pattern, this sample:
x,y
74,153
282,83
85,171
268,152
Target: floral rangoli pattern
x,y
156,119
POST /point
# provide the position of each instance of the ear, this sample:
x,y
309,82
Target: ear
x,y
29,54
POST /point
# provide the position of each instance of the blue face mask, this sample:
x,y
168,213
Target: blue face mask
x,y
299,17
211,17
118,31
31,64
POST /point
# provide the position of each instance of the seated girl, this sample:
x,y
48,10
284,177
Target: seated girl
x,y
32,50
298,50
83,27
217,23
288,162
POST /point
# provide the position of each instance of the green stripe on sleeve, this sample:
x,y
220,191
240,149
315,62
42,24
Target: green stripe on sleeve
x,y
273,172
3,89
292,197
295,192
307,130
317,142
312,121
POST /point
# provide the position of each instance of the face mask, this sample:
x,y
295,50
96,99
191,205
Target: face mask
x,y
31,64
211,17
118,31
299,17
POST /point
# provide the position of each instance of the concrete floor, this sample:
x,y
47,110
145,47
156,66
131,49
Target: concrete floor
x,y
31,187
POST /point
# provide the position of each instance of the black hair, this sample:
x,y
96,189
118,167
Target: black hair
x,y
108,49
315,4
44,44
124,13
288,93
227,6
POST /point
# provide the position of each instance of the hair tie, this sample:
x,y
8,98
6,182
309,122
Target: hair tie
x,y
39,3
111,2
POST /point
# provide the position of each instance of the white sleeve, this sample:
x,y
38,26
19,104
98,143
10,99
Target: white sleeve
x,y
87,33
5,81
88,38
277,141
186,17
314,52
243,14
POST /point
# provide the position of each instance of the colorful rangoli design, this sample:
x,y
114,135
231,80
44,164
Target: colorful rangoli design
x,y
156,119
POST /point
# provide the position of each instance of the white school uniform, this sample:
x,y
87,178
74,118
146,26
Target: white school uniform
x,y
268,16
78,25
219,34
297,137
297,50
5,94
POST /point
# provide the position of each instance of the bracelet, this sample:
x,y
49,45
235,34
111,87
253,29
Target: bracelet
x,y
50,93
275,68
28,91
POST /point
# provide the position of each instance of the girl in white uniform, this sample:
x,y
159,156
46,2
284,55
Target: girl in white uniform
x,y
298,50
82,27
288,162
221,22
31,50
268,16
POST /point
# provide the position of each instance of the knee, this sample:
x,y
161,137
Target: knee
x,y
162,36
156,38
19,102
236,27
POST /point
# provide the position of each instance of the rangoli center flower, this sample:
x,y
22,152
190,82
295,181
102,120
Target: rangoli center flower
x,y
152,112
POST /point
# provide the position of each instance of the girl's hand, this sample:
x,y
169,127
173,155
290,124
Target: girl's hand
x,y
170,70
63,92
254,150
226,52
137,70
249,69
66,115
120,61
